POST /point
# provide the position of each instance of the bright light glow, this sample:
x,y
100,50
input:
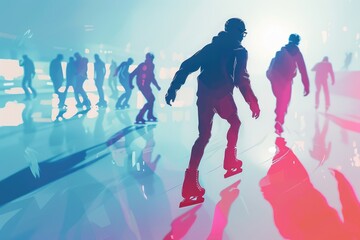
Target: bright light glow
x,y
10,69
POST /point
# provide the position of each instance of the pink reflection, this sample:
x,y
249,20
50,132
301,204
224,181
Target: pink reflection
x,y
182,224
350,203
300,210
321,148
344,123
222,209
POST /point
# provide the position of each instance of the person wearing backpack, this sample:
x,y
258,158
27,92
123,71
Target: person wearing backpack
x,y
281,72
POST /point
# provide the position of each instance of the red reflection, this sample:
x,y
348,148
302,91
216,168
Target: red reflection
x,y
300,210
222,209
344,123
350,204
182,224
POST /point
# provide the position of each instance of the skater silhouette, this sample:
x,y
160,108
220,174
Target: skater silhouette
x,y
70,81
347,61
80,77
56,73
123,72
281,73
99,76
29,73
322,71
144,77
223,67
112,79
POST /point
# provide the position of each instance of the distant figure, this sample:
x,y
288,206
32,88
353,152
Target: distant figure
x,y
80,77
56,73
222,66
347,61
99,76
281,73
70,81
112,80
322,71
144,77
29,73
123,72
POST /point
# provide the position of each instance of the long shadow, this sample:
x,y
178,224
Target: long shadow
x,y
350,203
23,182
344,123
181,225
222,210
300,210
145,191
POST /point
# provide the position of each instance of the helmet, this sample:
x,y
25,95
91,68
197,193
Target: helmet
x,y
294,38
235,24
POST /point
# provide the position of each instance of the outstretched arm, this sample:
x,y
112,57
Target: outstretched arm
x,y
156,84
189,66
302,69
132,75
242,81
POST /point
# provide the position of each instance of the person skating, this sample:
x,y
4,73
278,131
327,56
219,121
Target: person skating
x,y
223,65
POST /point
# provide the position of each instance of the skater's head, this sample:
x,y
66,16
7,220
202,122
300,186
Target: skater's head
x,y
25,57
130,61
236,27
294,38
60,57
97,57
150,57
77,55
71,59
325,59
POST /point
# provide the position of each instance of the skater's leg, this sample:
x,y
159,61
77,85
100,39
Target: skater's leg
x,y
192,191
226,108
327,95
24,84
205,116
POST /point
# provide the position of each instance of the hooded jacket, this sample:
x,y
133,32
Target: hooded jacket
x,y
284,65
222,66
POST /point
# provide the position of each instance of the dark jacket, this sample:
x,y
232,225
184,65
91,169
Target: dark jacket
x,y
222,66
284,65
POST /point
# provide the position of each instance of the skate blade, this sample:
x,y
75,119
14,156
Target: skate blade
x,y
190,202
231,173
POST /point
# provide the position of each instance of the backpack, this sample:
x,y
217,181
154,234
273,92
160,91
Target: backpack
x,y
283,65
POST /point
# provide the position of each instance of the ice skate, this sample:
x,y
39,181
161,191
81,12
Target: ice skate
x,y
152,119
102,104
192,192
139,120
232,165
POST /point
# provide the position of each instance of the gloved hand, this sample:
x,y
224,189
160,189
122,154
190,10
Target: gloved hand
x,y
254,107
170,97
